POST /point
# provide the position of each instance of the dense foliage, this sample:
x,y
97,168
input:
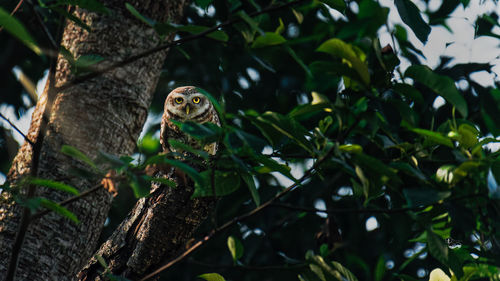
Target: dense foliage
x,y
355,174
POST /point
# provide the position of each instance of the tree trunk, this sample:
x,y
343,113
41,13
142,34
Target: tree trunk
x,y
155,231
106,114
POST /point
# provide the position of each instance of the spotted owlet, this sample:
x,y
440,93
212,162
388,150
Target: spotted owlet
x,y
186,104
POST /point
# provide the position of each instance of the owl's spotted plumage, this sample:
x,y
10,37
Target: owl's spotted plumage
x,y
186,104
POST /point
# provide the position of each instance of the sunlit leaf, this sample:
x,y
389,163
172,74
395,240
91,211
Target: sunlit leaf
x,y
346,273
434,137
212,277
268,39
340,49
438,274
235,247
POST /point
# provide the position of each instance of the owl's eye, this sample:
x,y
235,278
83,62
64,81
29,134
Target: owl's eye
x,y
196,100
178,100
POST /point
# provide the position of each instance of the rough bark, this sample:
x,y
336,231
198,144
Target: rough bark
x,y
155,231
103,114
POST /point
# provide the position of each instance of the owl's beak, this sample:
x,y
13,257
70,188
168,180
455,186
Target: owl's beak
x,y
187,109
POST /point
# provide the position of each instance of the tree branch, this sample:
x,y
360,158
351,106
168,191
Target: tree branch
x,y
17,129
133,58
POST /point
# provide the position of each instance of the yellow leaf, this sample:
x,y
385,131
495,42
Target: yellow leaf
x,y
438,275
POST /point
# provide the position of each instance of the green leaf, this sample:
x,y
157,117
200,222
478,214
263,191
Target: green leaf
x,y
270,165
163,181
197,29
288,127
218,107
140,185
184,147
346,273
495,169
340,49
304,110
434,137
268,39
468,135
409,92
190,171
351,148
248,179
441,85
380,269
54,185
408,169
251,22
84,63
417,197
281,27
71,17
338,5
224,183
203,3
410,14
235,247
297,59
17,29
77,154
239,139
149,144
51,205
139,16
206,132
212,277
324,266
437,248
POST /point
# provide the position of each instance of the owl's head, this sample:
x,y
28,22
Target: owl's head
x,y
185,103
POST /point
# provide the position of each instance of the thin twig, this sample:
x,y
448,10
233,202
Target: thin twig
x,y
14,11
44,28
343,211
133,58
17,7
67,201
17,129
374,210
